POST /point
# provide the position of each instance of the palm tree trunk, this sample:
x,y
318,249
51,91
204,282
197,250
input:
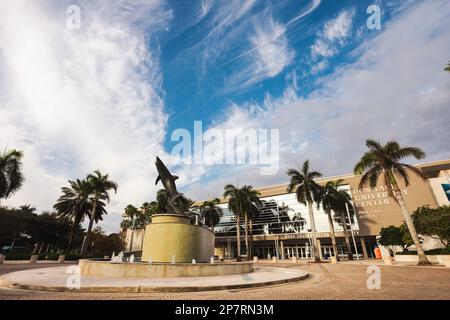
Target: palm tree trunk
x,y
333,236
313,232
247,248
238,237
89,230
72,235
423,260
347,237
251,237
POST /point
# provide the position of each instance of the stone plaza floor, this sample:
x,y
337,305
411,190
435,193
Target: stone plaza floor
x,y
346,280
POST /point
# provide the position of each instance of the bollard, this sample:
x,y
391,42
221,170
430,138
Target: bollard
x,y
61,258
255,259
2,258
33,259
211,260
274,259
333,260
294,260
150,260
193,261
173,259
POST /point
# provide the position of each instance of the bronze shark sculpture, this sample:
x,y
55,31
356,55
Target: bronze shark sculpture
x,y
168,181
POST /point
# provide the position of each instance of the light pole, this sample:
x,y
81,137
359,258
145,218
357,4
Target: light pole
x,y
351,230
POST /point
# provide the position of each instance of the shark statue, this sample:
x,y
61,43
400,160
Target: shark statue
x,y
168,181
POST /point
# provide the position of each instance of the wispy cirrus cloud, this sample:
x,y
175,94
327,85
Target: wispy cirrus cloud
x,y
333,35
271,56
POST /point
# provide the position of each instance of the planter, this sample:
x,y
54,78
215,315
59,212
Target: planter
x,y
446,260
441,259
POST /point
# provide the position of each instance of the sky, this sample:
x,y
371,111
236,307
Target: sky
x,y
112,92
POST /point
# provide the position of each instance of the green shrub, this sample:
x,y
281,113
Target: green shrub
x,y
18,256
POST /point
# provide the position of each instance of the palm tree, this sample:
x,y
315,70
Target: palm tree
x,y
240,203
252,200
74,204
210,212
307,192
11,178
235,205
385,161
132,213
328,199
343,201
100,185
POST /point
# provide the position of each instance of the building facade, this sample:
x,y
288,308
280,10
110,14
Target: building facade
x,y
283,229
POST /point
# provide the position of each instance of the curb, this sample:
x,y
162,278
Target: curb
x,y
140,289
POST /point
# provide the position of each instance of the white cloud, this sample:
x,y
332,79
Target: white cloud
x,y
333,35
339,28
78,100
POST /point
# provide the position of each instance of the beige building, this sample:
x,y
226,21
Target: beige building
x,y
283,228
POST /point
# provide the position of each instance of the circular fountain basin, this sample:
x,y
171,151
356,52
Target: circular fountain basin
x,y
172,238
161,270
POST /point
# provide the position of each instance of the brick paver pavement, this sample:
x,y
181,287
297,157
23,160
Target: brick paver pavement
x,y
342,281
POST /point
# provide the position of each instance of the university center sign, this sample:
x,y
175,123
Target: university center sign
x,y
368,197
375,208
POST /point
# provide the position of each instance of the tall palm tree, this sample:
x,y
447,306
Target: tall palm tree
x,y
132,213
240,203
101,185
307,192
385,161
210,212
235,205
252,202
11,177
74,204
328,198
342,202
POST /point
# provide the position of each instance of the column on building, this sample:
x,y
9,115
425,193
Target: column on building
x,y
282,249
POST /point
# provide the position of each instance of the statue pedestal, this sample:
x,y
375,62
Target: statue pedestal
x,y
170,238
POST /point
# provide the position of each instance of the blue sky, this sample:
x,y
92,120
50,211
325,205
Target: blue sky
x,y
110,94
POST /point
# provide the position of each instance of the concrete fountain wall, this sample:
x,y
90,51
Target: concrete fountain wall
x,y
171,236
